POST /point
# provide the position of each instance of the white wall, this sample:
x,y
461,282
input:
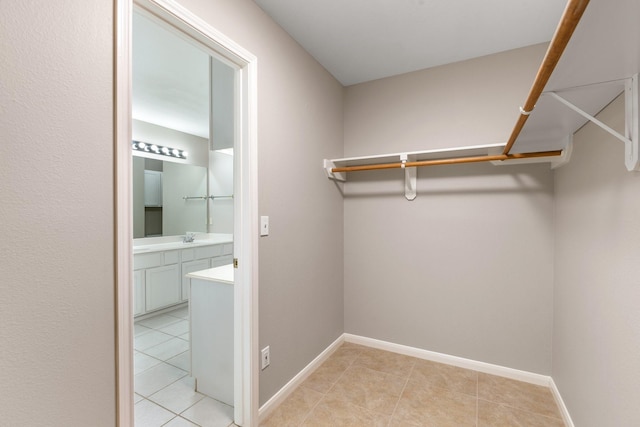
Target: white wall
x,y
299,124
596,340
57,363
220,184
180,216
466,268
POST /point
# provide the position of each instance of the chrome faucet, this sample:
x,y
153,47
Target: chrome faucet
x,y
189,238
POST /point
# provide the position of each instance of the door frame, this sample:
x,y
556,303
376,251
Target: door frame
x,y
245,204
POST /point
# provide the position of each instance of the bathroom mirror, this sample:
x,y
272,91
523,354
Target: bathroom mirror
x,y
165,198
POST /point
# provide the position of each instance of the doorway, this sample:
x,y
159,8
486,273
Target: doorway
x,y
242,202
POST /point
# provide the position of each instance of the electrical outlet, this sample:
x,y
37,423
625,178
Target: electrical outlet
x,y
266,358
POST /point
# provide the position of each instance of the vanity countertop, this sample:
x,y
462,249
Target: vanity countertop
x,y
165,244
223,274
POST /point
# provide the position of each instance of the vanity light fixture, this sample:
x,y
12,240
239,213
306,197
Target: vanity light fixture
x,y
158,149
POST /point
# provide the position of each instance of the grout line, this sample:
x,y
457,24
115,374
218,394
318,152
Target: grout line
x,y
406,382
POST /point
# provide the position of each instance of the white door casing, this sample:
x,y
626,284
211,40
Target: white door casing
x,y
245,203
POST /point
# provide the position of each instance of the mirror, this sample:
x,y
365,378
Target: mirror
x,y
159,204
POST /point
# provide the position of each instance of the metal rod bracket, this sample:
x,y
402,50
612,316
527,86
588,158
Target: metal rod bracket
x,y
410,177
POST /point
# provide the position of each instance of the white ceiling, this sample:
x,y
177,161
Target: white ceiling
x,y
170,79
356,40
362,40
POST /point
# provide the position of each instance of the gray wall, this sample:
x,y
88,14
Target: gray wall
x,y
57,363
299,124
467,268
596,340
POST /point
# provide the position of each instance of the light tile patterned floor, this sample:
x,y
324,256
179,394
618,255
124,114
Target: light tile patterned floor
x,y
361,386
164,393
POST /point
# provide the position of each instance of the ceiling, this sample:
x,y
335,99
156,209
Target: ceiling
x,y
362,40
356,40
170,85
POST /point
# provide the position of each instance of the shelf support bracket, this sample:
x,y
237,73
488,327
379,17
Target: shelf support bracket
x,y
410,177
630,138
336,176
632,116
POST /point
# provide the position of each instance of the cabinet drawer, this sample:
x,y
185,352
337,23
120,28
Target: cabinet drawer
x,y
227,249
153,259
188,255
171,257
208,251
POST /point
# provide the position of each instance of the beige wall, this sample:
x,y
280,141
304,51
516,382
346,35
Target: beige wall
x,y
57,363
466,268
596,339
299,124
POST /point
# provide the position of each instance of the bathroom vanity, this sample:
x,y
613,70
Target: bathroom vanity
x,y
160,265
211,326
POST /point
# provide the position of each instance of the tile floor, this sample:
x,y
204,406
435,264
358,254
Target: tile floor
x,y
360,386
164,394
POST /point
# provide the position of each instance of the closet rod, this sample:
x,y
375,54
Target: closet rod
x,y
568,23
449,161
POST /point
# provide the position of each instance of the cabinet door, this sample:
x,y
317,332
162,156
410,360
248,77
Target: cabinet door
x,y
138,292
152,188
190,267
162,286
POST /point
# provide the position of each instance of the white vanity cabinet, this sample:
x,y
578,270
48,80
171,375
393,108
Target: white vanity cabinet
x,y
158,276
138,292
202,258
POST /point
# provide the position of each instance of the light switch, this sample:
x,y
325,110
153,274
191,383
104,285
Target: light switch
x,y
264,225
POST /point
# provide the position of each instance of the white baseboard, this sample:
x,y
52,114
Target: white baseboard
x,y
487,368
568,422
461,362
266,409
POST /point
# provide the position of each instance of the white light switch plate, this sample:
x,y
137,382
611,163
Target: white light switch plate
x,y
264,225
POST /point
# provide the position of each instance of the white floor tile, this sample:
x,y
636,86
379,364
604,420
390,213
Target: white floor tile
x,y
139,329
179,422
182,312
178,396
137,398
182,361
210,413
156,378
150,339
148,414
142,362
185,337
168,349
159,321
176,329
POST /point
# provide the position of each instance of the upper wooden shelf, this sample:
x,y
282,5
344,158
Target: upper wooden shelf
x,y
603,53
593,57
